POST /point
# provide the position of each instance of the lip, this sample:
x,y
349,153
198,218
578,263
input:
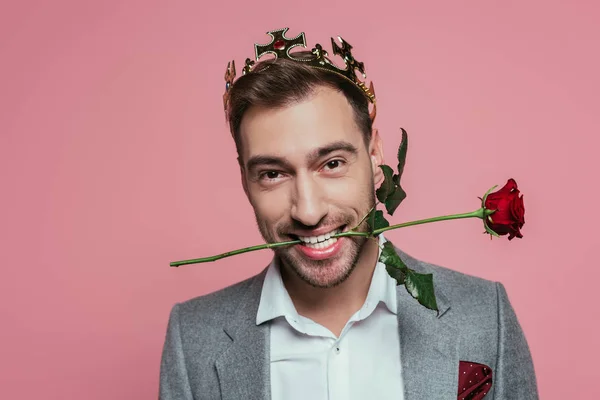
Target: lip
x,y
322,254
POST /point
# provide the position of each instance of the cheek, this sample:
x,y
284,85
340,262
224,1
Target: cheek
x,y
271,205
350,191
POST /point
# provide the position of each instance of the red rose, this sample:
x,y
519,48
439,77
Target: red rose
x,y
510,215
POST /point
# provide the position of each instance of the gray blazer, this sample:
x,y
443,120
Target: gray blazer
x,y
214,350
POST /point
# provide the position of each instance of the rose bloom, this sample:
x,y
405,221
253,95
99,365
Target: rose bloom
x,y
510,215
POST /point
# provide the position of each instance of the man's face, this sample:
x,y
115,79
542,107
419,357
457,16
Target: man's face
x,y
308,174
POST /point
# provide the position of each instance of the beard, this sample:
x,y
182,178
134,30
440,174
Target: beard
x,y
329,272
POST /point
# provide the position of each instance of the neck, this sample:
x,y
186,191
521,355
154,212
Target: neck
x,y
334,306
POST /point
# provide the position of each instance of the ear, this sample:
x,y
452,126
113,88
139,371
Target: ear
x,y
376,156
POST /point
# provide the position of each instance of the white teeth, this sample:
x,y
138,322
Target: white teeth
x,y
322,245
318,239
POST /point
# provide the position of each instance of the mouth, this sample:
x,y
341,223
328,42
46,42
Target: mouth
x,y
321,241
322,246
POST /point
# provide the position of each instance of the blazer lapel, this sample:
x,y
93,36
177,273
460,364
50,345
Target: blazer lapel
x,y
428,348
243,368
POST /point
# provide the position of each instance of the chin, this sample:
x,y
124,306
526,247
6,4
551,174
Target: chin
x,y
323,277
322,273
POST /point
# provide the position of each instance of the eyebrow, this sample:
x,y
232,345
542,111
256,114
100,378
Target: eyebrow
x,y
341,145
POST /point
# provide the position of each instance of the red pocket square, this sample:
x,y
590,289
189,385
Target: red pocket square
x,y
474,380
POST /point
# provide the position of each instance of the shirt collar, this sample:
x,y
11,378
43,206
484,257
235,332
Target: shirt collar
x,y
276,302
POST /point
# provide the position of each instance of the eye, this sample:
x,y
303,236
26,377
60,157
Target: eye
x,y
269,175
334,164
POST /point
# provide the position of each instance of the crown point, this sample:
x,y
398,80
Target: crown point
x,y
279,45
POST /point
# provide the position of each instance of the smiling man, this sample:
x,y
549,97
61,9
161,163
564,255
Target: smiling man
x,y
324,320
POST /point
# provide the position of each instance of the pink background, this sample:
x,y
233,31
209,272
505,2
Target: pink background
x,y
115,160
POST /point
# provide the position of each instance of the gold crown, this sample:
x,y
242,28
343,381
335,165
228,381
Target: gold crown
x,y
280,47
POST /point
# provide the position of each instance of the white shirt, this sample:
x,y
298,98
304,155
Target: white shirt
x,y
309,362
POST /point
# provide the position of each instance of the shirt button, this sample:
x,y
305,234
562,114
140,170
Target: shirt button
x,y
337,350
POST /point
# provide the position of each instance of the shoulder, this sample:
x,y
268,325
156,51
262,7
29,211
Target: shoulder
x,y
460,289
472,304
451,279
213,308
197,330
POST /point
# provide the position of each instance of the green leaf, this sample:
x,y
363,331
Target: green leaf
x,y
397,195
390,192
396,273
391,258
402,154
394,265
380,221
394,199
420,286
387,186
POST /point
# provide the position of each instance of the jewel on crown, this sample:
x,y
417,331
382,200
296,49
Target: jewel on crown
x,y
280,47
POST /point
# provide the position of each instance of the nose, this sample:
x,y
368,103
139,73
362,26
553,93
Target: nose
x,y
308,202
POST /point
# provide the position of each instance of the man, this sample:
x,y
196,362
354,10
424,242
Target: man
x,y
324,320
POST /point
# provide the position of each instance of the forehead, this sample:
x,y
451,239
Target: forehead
x,y
297,129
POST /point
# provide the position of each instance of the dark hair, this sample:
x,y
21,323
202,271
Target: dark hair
x,y
280,82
